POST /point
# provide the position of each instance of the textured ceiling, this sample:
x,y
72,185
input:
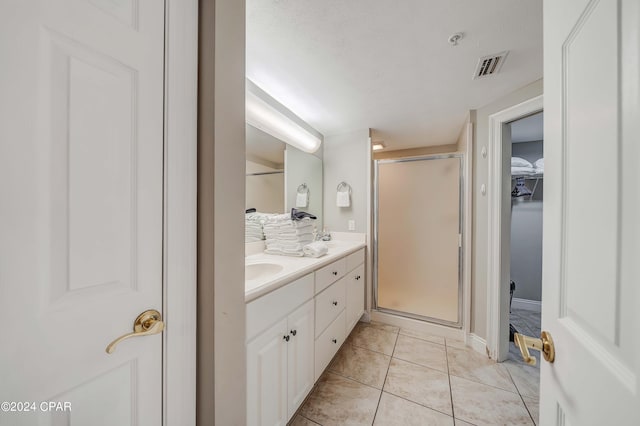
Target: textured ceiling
x,y
350,64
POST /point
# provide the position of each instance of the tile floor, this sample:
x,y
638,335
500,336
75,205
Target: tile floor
x,y
384,375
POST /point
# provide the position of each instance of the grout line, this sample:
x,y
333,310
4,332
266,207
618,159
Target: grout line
x,y
453,409
521,398
385,379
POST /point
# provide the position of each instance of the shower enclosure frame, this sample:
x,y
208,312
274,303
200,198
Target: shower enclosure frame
x,y
461,247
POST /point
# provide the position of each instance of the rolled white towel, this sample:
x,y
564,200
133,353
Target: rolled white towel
x,y
315,249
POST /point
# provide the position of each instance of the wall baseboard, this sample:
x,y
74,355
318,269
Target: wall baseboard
x,y
477,343
526,304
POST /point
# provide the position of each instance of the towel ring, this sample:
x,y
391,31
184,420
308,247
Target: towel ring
x,y
342,186
303,188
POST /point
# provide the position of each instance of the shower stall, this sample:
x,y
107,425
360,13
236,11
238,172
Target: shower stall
x,y
418,238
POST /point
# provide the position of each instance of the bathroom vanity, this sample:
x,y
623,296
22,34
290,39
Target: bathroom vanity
x,y
299,313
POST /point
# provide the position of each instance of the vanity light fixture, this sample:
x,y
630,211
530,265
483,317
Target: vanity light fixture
x,y
269,119
377,146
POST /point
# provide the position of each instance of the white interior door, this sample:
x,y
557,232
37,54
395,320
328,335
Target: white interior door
x,y
592,205
81,178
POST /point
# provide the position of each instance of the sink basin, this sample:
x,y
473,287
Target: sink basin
x,y
254,271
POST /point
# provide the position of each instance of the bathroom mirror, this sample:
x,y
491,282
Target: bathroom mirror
x,y
276,172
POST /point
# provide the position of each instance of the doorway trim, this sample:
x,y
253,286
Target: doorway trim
x,y
179,211
497,294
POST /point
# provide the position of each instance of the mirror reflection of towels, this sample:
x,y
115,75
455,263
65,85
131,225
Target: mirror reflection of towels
x,y
302,199
343,199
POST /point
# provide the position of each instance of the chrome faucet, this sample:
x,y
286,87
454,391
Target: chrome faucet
x,y
325,235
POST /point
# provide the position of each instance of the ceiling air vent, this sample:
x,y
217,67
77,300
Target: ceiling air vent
x,y
489,65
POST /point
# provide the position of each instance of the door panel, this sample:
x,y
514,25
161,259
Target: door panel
x,y
592,201
300,356
267,377
81,178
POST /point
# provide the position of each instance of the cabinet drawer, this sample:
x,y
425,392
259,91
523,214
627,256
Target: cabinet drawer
x,y
266,310
355,259
330,274
329,304
328,344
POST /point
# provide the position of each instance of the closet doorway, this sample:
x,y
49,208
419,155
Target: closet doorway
x,y
525,247
418,238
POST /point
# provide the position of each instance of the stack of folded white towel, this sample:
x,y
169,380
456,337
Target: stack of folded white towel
x,y
520,166
287,237
253,226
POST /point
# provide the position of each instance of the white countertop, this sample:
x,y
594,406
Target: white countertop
x,y
293,267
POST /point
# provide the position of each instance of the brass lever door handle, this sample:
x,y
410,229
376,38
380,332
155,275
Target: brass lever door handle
x,y
149,322
544,344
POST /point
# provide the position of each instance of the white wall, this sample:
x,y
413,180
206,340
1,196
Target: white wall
x,y
480,202
347,158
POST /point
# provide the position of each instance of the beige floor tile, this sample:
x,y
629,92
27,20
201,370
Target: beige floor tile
x,y
419,384
301,421
381,326
421,352
394,411
471,365
485,405
462,423
361,364
340,401
533,405
373,338
456,343
421,335
526,377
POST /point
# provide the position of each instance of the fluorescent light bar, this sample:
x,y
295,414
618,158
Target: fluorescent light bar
x,y
268,119
377,146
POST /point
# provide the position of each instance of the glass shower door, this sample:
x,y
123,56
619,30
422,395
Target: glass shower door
x,y
418,238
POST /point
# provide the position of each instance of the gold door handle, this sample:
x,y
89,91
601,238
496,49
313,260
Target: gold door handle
x,y
544,344
148,323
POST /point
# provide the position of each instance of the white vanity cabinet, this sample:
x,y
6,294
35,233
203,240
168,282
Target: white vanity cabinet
x,y
280,369
294,332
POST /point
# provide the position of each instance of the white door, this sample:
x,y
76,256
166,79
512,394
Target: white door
x,y
300,356
267,376
81,184
591,293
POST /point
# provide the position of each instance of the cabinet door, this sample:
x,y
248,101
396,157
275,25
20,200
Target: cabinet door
x,y
355,296
267,377
300,352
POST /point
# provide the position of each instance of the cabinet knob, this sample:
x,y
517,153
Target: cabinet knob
x,y
335,303
335,272
358,277
294,332
286,338
335,341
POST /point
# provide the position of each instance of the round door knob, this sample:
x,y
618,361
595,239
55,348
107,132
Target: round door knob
x,y
335,273
294,332
286,338
335,303
334,341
